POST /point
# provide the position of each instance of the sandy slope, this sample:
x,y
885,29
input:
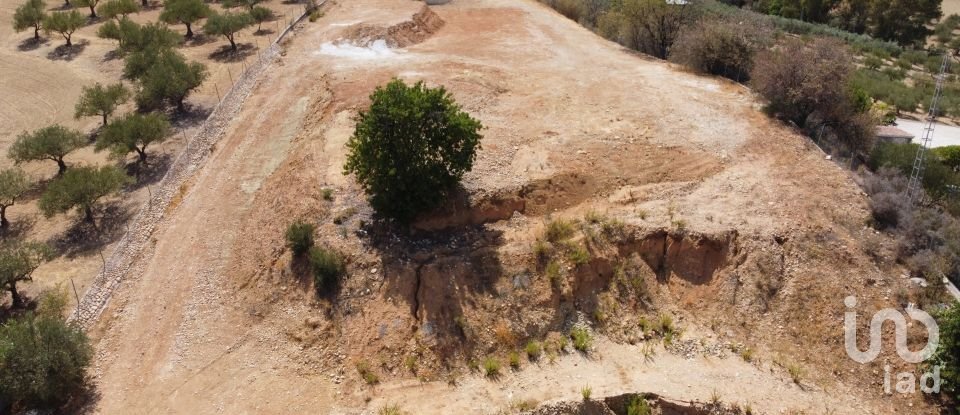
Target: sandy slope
x,y
210,328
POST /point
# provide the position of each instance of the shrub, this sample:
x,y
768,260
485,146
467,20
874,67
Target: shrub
x,y
554,274
947,355
367,374
533,349
300,237
82,188
491,367
410,148
937,177
650,26
581,339
43,361
586,392
328,268
719,47
577,254
638,406
802,80
559,230
514,359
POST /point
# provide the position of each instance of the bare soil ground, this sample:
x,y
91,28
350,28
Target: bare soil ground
x,y
732,223
41,82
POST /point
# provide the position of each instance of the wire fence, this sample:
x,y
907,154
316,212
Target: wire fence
x,y
122,262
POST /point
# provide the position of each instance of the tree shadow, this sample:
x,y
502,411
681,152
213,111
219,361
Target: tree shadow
x,y
68,53
83,237
115,54
152,171
18,228
265,31
194,116
31,43
225,54
199,40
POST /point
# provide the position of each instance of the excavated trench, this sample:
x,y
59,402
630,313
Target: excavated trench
x,y
617,405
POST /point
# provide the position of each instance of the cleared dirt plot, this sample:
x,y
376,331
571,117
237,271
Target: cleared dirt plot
x,y
699,212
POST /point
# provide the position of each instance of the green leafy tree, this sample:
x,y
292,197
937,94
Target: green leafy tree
x,y
904,21
64,23
248,4
132,134
30,15
950,156
17,263
261,14
410,148
91,4
118,9
168,81
186,12
100,100
947,355
148,40
43,361
48,143
13,184
82,188
111,30
227,25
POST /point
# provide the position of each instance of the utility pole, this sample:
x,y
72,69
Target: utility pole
x,y
916,177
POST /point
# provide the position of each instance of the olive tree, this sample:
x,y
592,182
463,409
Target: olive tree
x,y
44,361
30,15
18,260
48,143
410,148
13,184
64,23
100,100
227,25
186,12
261,14
132,134
82,188
118,9
91,4
168,80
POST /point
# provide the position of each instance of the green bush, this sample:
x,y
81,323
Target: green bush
x,y
328,268
43,362
638,406
948,352
533,349
581,339
300,237
410,148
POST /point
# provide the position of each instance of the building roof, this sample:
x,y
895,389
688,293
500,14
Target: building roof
x,y
889,131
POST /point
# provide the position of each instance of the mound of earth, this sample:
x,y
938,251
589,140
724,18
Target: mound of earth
x,y
695,231
423,24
